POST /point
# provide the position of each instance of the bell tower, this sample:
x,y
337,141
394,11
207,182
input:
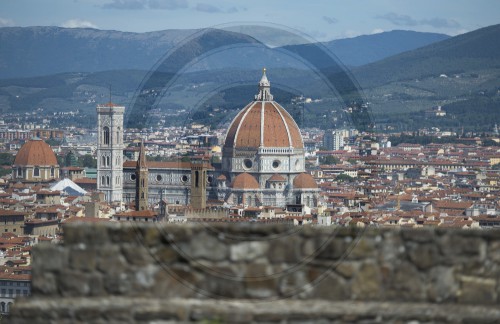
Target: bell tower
x,y
199,183
110,151
141,181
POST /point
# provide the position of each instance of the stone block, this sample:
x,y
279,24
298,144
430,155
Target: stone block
x,y
50,257
287,249
330,286
424,256
247,251
442,285
110,260
208,247
476,290
362,248
367,282
83,258
73,283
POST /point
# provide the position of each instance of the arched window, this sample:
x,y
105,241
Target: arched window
x,y
106,135
52,172
36,172
107,160
107,180
103,181
103,160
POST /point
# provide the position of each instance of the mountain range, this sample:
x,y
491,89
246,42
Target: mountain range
x,y
401,73
38,51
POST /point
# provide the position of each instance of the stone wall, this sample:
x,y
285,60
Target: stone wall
x,y
225,270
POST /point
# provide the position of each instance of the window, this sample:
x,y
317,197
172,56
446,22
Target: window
x,y
19,172
276,164
36,172
107,161
106,135
103,182
107,180
247,164
158,177
52,172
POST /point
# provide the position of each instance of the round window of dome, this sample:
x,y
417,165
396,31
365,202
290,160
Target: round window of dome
x,y
210,179
276,164
184,178
159,178
247,164
132,177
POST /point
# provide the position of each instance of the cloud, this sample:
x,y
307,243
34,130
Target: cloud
x,y
168,4
146,4
399,20
405,20
205,7
377,31
330,20
125,4
78,23
440,23
4,22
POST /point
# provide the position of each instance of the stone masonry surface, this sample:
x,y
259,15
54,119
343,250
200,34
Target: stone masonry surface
x,y
277,273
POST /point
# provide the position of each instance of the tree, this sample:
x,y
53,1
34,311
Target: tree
x,y
6,159
87,161
329,160
70,159
344,178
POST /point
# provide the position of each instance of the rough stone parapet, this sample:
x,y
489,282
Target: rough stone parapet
x,y
269,263
143,310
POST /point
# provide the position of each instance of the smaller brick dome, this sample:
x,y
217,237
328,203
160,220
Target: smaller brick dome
x,y
245,181
35,152
304,181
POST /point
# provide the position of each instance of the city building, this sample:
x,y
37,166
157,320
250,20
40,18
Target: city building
x,y
263,164
35,162
110,151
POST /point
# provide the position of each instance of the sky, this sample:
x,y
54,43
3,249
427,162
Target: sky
x,y
319,19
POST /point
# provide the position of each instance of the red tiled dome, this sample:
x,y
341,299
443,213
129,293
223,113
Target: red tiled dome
x,y
263,123
304,181
35,152
266,124
245,181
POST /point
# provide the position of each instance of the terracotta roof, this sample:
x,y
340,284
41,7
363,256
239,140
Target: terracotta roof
x,y
138,213
276,177
266,118
160,165
245,181
85,180
35,152
304,180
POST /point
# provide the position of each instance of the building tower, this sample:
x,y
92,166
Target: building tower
x,y
199,183
141,181
110,151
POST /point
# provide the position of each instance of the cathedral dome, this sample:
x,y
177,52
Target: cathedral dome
x,y
304,181
263,123
35,152
245,181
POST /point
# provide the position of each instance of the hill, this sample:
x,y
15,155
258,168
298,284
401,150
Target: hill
x,y
478,49
38,51
366,49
